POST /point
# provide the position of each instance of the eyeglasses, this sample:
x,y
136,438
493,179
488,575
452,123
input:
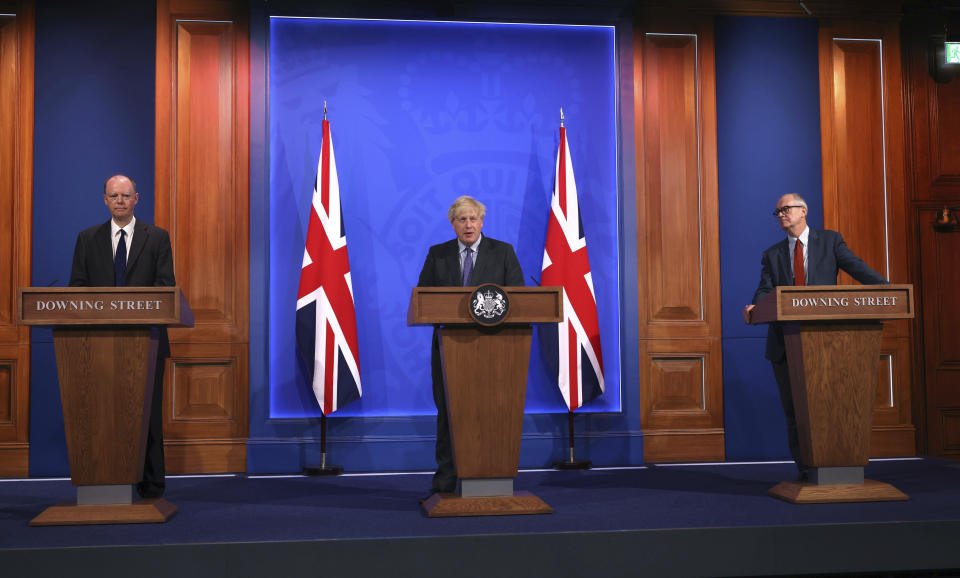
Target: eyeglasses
x,y
784,209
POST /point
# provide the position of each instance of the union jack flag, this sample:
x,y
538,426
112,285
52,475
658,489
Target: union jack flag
x,y
326,317
573,346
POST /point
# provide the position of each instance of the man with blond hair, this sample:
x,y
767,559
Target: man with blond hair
x,y
468,260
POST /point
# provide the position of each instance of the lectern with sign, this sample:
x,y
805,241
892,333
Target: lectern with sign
x,y
832,336
485,337
106,342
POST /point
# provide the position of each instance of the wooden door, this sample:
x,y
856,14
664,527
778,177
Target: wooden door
x,y
940,282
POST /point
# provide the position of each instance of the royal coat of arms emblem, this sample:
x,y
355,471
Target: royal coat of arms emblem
x,y
489,305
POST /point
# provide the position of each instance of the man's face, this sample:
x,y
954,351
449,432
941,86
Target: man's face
x,y
120,198
793,219
467,224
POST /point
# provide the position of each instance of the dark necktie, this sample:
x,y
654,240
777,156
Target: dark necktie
x,y
467,266
120,260
799,277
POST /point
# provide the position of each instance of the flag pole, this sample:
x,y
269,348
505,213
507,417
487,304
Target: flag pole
x,y
323,469
325,271
572,463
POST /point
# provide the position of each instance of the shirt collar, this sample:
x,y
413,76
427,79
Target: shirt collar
x,y
804,237
475,246
115,228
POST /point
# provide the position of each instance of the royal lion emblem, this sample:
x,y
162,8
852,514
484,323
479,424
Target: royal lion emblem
x,y
489,304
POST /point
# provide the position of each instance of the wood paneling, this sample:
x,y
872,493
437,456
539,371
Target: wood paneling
x,y
205,415
14,392
202,182
933,161
16,207
864,193
944,146
940,265
677,241
935,121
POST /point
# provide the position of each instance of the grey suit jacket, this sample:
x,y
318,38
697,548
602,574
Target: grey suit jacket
x,y
827,254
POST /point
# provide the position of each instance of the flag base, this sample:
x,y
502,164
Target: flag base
x,y
573,465
323,470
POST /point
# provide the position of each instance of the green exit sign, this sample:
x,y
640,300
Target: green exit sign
x,y
952,51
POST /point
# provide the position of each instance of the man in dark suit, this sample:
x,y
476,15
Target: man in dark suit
x,y
821,256
128,252
470,259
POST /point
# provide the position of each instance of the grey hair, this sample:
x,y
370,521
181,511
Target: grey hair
x,y
799,200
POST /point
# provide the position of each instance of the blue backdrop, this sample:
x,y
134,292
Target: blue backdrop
x,y
768,144
93,118
422,112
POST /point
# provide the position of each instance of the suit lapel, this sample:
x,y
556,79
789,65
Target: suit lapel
x,y
481,262
451,261
104,245
815,257
784,271
140,234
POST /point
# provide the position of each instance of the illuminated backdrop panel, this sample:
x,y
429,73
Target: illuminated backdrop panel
x,y
422,112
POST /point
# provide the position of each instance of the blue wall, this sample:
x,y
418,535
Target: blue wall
x,y
768,144
93,118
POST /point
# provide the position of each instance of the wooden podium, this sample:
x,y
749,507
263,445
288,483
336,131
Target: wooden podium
x,y
832,336
485,380
106,341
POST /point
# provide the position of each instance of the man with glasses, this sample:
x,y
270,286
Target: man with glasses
x,y
805,257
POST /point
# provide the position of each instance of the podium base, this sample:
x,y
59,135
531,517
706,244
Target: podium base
x,y
151,511
806,493
573,465
323,470
453,505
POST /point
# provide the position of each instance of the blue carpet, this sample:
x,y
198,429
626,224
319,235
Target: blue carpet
x,y
242,509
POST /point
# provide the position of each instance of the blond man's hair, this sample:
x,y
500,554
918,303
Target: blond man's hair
x,y
464,202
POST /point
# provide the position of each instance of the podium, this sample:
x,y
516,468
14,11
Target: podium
x,y
485,381
832,336
106,341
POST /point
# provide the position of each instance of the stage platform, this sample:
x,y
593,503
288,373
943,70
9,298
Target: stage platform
x,y
658,520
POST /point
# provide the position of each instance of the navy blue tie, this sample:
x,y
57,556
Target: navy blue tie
x,y
120,260
467,266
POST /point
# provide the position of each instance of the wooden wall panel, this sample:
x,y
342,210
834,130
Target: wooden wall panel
x,y
677,241
202,185
16,207
933,162
945,125
864,194
935,120
940,256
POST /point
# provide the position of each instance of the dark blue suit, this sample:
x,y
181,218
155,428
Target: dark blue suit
x,y
496,263
827,254
149,264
